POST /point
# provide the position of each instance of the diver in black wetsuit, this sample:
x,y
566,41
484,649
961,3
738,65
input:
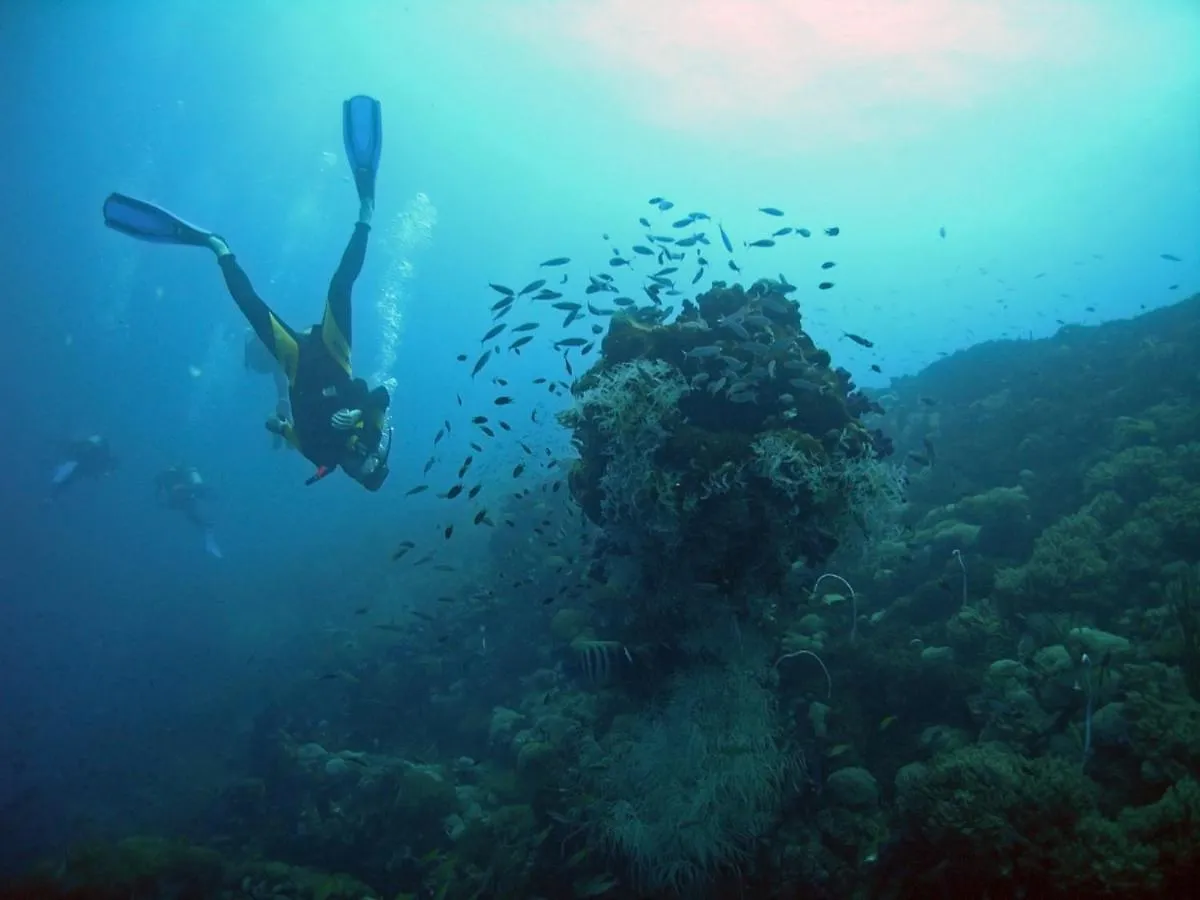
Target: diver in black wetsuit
x,y
88,457
182,488
335,420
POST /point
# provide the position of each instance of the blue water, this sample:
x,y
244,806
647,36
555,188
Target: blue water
x,y
514,132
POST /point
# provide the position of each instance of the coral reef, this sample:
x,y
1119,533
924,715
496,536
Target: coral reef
x,y
722,447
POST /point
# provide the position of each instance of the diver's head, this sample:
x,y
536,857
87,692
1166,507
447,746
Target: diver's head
x,y
374,479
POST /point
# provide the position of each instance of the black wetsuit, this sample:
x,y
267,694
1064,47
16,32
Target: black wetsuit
x,y
177,488
317,363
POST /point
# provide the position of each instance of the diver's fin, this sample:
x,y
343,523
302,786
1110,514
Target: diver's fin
x,y
63,472
148,222
211,546
362,133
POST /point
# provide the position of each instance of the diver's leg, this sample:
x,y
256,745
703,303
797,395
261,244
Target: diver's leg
x,y
191,512
335,323
271,330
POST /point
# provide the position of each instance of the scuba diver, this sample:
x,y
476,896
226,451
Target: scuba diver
x,y
335,420
258,359
182,488
90,456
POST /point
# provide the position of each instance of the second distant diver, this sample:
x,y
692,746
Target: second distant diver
x,y
183,489
336,421
89,457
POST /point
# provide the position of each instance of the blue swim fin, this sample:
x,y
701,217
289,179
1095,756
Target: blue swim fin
x,y
63,472
211,547
362,133
148,222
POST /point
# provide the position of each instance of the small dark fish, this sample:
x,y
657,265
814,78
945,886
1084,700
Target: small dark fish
x,y
362,610
644,222
770,210
419,489
929,449
487,431
828,265
531,287
617,261
481,362
479,420
546,294
504,303
643,250
480,516
788,229
875,368
803,232
654,201
734,266
492,332
859,339
761,242
587,348
527,326
462,357
453,492
725,239
833,232
699,275
567,305
1170,257
428,465
571,342
462,470
557,261
520,342
507,291
825,285
449,531
928,401
664,205
474,492
518,469
503,401
437,438
682,223
942,231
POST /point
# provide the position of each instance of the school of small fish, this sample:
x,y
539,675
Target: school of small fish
x,y
674,256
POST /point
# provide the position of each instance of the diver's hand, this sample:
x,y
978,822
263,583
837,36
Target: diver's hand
x,y
346,419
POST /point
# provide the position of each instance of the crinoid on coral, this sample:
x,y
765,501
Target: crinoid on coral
x,y
722,447
681,794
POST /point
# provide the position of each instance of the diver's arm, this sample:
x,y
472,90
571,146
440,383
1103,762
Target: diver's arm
x,y
283,403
